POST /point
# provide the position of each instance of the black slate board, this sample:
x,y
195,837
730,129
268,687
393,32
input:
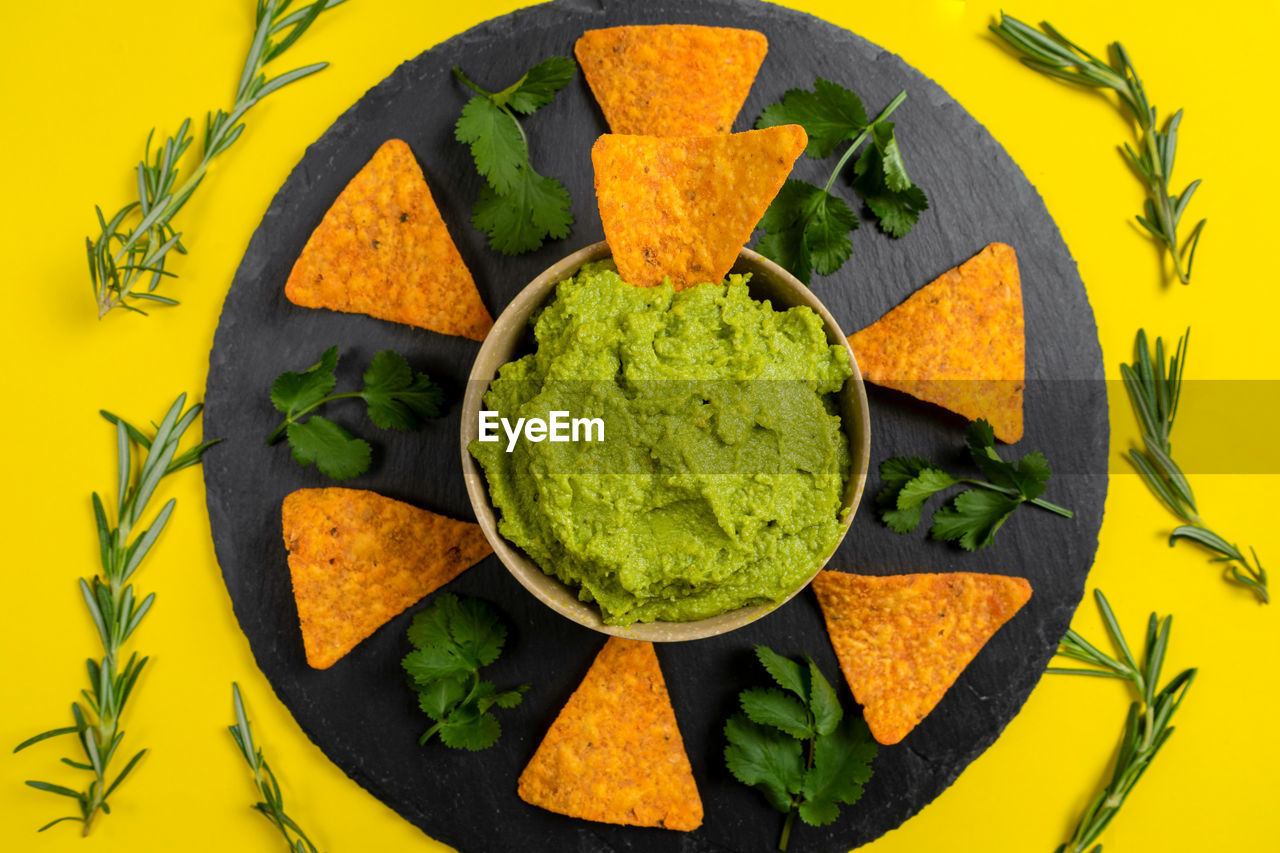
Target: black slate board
x,y
362,714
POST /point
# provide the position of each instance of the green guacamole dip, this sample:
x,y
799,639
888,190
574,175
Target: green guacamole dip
x,y
719,480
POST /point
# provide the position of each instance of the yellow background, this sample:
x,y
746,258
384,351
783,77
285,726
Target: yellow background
x,y
83,81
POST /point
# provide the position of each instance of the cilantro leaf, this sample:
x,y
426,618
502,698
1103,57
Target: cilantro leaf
x,y
973,519
880,178
807,229
923,486
477,632
841,766
830,114
294,392
471,730
895,473
764,758
453,639
536,209
769,706
785,671
437,697
497,147
823,702
338,454
396,396
539,84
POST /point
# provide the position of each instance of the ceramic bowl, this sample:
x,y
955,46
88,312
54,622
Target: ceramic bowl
x,y
509,340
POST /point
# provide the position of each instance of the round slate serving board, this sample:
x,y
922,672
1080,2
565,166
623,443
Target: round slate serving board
x,y
362,713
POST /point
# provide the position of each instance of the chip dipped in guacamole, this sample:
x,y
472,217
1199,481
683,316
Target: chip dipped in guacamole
x,y
719,479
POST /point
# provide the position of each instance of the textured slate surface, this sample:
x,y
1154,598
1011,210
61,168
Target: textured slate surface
x,y
362,714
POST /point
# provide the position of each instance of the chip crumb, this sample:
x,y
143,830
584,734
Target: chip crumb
x,y
382,249
614,754
958,342
903,640
358,559
671,79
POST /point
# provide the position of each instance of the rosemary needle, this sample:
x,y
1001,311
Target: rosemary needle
x,y
136,241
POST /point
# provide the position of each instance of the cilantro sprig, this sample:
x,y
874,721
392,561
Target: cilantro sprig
x,y
453,639
796,746
518,208
395,396
807,227
975,515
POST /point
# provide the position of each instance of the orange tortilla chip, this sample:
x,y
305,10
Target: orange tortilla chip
x,y
672,80
383,250
358,559
681,208
615,754
903,640
957,342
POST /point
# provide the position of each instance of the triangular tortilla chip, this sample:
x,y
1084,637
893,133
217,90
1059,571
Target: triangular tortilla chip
x,y
358,559
614,754
383,250
903,640
957,342
671,80
683,207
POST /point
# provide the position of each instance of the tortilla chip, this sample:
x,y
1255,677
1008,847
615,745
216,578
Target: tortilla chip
x,y
683,207
957,342
903,640
673,80
614,754
383,250
358,559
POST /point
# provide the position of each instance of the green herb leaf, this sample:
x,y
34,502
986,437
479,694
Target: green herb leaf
x,y
540,84
974,518
823,702
785,671
841,767
830,114
497,147
769,706
468,729
338,454
292,393
880,178
453,639
397,397
763,757
807,229
536,209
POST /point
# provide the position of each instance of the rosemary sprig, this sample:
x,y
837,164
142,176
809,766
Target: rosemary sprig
x,y
1052,53
114,607
1148,725
124,253
1154,390
272,804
